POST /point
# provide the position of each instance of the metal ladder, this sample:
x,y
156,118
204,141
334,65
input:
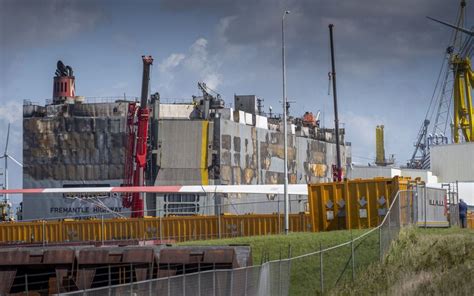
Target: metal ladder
x,y
452,200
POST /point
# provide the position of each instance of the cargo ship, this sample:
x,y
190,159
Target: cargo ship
x,y
72,141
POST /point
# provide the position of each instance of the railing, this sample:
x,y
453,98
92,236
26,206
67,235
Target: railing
x,y
314,273
100,229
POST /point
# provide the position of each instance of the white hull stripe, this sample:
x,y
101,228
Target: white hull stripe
x,y
294,189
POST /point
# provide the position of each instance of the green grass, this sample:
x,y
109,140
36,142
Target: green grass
x,y
421,262
305,272
301,243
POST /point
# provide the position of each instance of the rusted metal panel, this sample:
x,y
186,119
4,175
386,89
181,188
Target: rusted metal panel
x,y
226,256
138,255
17,257
58,256
93,267
6,280
174,256
93,256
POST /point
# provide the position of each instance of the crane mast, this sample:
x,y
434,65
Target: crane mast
x,y
455,105
463,108
136,154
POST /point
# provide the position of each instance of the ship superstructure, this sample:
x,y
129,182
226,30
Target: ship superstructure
x,y
76,143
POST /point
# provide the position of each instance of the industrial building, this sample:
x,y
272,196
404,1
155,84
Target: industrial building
x,y
74,143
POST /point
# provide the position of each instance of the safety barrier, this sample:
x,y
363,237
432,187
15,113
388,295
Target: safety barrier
x,y
177,228
352,204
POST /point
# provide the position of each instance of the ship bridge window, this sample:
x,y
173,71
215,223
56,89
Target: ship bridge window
x,y
181,204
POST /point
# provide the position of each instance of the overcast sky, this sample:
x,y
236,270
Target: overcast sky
x,y
387,57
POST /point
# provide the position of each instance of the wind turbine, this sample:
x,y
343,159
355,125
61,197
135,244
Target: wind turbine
x,y
7,156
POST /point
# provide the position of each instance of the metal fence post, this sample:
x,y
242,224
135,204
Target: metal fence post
x,y
390,224
184,280
279,274
44,233
102,230
380,242
289,266
214,279
219,224
26,284
169,281
150,282
400,212
246,274
424,195
110,281
161,225
321,268
353,257
131,279
231,282
57,284
409,208
199,278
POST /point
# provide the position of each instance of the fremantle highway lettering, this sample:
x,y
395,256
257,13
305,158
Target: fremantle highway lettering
x,y
82,210
111,199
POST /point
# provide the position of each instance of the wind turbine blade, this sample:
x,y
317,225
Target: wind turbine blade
x,y
469,32
8,137
14,160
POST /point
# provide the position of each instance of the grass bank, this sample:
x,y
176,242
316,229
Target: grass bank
x,y
306,272
421,262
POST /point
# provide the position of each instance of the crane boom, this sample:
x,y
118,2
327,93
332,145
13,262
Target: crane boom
x,y
137,121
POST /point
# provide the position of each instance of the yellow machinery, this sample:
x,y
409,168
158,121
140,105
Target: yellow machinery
x,y
352,204
379,146
463,119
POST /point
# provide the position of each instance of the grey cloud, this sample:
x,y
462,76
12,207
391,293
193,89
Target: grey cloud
x,y
26,24
205,6
31,23
396,29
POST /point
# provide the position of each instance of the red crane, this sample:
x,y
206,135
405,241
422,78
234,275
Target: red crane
x,y
136,153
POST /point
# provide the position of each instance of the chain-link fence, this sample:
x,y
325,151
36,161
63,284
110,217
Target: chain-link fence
x,y
270,278
314,273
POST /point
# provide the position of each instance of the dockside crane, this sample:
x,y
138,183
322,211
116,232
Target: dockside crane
x,y
136,153
452,95
463,119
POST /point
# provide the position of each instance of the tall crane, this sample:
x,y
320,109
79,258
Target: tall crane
x,y
136,154
452,96
463,119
